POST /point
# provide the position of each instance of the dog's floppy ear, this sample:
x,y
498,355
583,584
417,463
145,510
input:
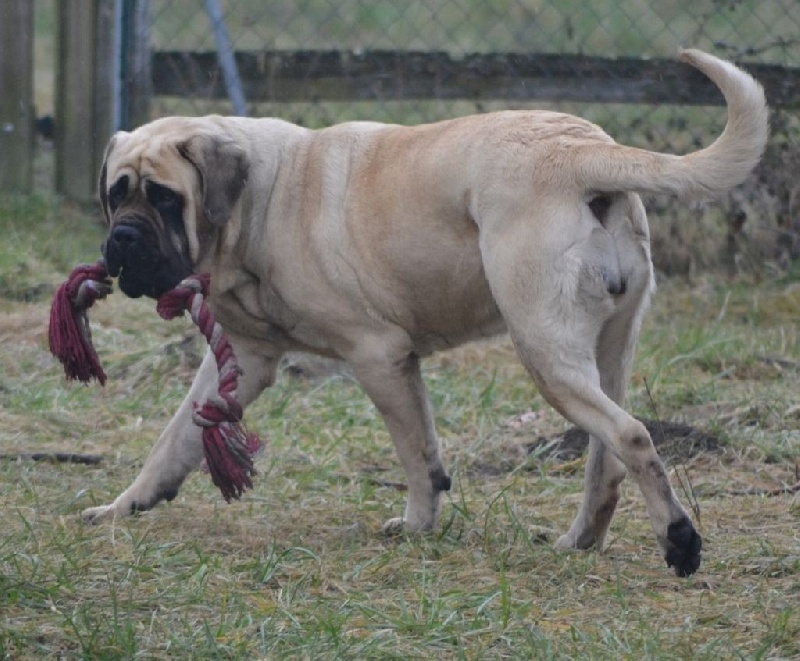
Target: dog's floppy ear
x,y
223,168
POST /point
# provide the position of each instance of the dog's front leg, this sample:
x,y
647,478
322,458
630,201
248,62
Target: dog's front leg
x,y
179,449
398,391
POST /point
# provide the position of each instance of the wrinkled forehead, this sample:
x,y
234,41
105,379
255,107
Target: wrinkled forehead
x,y
147,156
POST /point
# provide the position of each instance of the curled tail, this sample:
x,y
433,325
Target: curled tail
x,y
721,166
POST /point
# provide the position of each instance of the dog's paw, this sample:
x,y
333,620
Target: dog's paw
x,y
95,515
402,525
395,526
684,546
566,542
581,541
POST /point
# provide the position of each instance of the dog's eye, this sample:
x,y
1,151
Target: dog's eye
x,y
163,198
117,193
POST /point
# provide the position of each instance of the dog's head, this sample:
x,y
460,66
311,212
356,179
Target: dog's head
x,y
166,190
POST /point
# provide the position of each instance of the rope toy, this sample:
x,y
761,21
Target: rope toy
x,y
70,335
227,447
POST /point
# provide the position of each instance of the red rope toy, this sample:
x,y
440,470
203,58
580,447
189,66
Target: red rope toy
x,y
228,448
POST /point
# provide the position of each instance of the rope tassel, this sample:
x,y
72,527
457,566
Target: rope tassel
x,y
70,336
227,447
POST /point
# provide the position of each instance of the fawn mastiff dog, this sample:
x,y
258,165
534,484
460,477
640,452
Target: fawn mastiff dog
x,y
380,244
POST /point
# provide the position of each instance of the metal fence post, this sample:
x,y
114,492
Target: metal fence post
x,y
16,96
136,84
86,68
227,59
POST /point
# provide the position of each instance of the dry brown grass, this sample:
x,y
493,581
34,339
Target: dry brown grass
x,y
298,568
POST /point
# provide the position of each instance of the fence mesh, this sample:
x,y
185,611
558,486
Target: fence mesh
x,y
760,31
754,30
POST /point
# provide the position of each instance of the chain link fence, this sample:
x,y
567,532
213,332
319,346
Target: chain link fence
x,y
749,31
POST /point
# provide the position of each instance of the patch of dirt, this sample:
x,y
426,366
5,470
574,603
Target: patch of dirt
x,y
674,441
27,325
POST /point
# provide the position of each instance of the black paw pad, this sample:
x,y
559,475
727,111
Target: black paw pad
x,y
686,545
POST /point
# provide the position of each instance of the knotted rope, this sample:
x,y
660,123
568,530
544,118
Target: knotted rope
x,y
227,447
70,335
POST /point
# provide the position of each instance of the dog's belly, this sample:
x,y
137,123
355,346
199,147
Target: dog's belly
x,y
436,315
426,344
451,316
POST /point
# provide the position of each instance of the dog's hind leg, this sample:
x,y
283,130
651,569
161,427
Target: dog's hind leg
x,y
573,387
179,449
604,471
556,308
394,383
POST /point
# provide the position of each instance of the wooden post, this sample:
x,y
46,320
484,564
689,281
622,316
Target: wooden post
x,y
86,69
16,96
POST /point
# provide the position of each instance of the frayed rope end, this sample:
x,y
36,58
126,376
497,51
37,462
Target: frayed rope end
x,y
229,452
69,334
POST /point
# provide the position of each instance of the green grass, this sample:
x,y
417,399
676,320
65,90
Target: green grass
x,y
299,569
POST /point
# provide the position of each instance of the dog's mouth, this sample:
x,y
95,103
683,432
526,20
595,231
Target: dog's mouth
x,y
134,282
143,266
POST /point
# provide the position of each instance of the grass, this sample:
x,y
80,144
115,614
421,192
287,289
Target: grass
x,y
299,569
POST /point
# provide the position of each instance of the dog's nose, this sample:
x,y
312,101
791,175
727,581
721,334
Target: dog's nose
x,y
125,235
